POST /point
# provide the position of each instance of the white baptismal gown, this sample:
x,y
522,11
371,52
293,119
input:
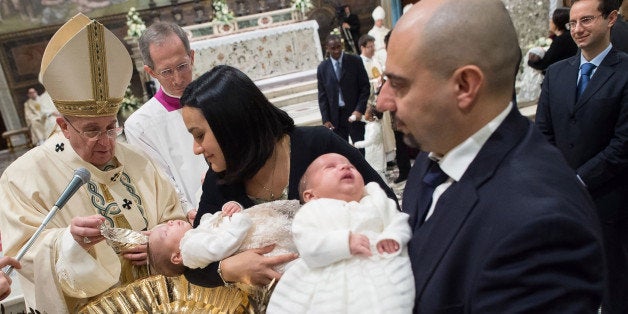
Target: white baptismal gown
x,y
328,279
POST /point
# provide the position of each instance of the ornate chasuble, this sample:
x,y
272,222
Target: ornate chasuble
x,y
57,274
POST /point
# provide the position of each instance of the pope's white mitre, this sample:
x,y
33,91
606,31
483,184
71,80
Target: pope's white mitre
x,y
85,69
379,13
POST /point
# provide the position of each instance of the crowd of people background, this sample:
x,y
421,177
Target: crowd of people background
x,y
505,214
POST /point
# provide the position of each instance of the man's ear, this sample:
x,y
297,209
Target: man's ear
x,y
192,56
150,71
612,18
468,79
64,126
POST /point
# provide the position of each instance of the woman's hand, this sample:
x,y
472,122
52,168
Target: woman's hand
x,y
252,267
86,230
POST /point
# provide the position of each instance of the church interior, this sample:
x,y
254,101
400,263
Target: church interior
x,y
277,45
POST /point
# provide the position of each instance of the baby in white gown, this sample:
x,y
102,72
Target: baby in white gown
x,y
352,244
175,245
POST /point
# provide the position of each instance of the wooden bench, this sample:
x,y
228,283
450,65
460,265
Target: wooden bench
x,y
8,135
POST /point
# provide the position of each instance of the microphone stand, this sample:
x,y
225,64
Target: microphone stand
x,y
81,176
34,237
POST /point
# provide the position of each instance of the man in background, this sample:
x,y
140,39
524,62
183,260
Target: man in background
x,y
583,110
619,31
343,91
374,71
379,31
157,127
351,23
39,117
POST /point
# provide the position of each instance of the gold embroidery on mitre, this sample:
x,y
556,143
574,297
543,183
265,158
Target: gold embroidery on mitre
x,y
88,108
98,62
101,104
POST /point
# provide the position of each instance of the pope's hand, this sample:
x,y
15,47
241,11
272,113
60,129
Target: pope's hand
x,y
86,230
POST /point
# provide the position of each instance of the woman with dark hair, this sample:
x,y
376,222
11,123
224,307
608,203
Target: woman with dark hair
x,y
562,46
256,154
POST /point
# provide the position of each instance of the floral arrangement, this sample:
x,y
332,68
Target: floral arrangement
x,y
302,5
222,12
134,23
130,101
543,42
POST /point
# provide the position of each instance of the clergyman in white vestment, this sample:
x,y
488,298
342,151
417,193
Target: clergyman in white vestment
x,y
86,70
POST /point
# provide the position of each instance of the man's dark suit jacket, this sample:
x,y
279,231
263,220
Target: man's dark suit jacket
x,y
354,83
592,133
353,21
619,34
516,234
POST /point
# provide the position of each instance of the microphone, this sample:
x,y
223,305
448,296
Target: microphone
x,y
81,176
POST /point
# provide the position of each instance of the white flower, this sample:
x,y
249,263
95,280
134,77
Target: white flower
x,y
222,12
134,23
130,102
302,5
543,42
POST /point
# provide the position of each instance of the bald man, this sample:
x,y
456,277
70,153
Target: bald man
x,y
508,228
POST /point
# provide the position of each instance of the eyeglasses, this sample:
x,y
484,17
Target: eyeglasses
x,y
584,21
181,68
93,136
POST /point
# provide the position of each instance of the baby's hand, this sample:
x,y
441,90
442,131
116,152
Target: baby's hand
x,y
387,246
230,208
359,245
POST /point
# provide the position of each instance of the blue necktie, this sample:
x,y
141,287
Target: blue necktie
x,y
338,70
585,76
433,178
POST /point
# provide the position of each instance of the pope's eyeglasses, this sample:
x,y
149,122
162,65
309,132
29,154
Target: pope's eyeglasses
x,y
93,136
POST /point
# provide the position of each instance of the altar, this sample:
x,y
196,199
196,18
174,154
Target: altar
x,y
261,53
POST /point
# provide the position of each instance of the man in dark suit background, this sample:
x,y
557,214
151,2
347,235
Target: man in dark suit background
x,y
351,23
510,230
343,91
619,32
591,130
